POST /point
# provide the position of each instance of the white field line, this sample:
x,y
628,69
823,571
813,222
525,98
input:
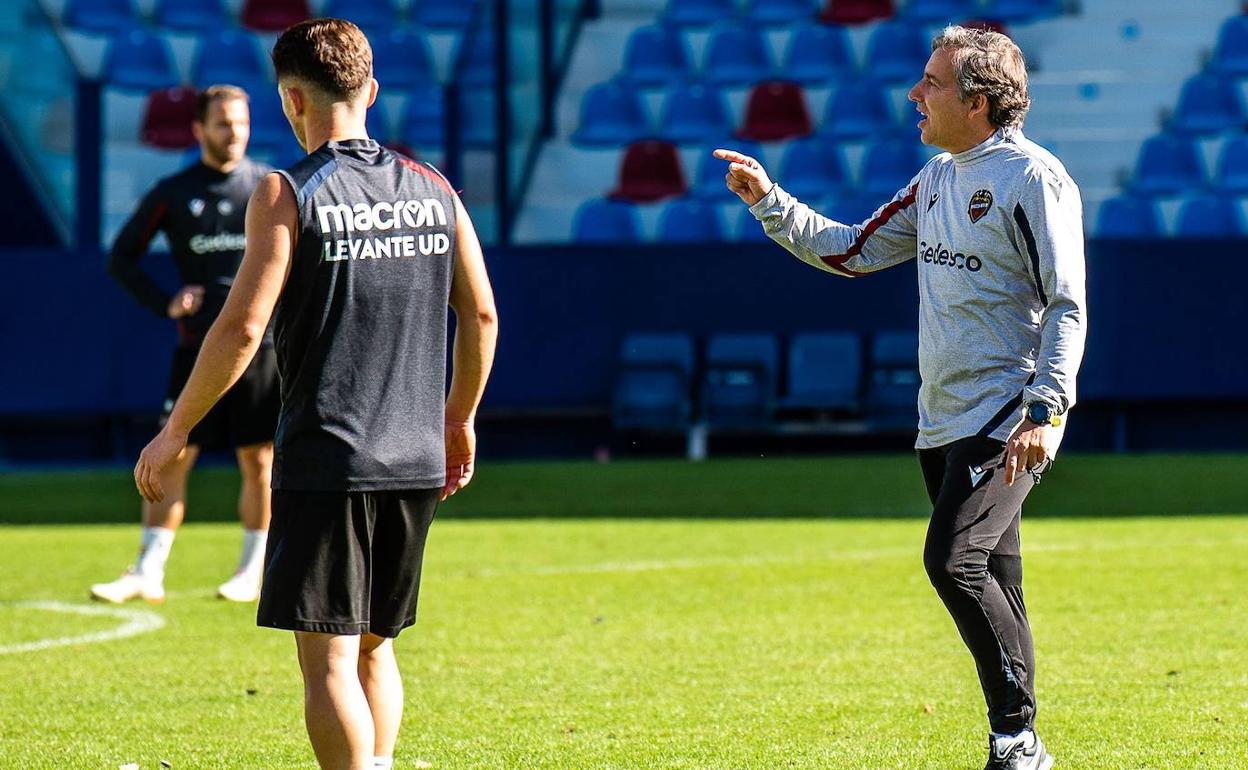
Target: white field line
x,y
136,622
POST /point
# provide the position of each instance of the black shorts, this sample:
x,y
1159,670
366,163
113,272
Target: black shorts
x,y
345,562
245,415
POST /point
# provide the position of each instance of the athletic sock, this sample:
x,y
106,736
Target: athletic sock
x,y
154,547
1026,736
383,763
251,560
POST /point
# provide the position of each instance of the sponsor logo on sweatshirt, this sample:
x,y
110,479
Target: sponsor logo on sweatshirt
x,y
939,255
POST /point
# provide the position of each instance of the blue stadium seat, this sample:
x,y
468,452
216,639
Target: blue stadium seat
x,y
1208,104
779,12
443,15
825,372
813,167
699,13
656,54
1128,216
402,59
709,182
749,229
1166,165
889,166
897,53
893,389
373,16
424,116
694,111
688,220
737,55
1210,217
476,117
101,16
1231,55
139,60
939,11
476,66
606,221
270,130
857,110
1022,10
1232,176
739,382
612,114
818,55
652,391
228,56
200,16
850,208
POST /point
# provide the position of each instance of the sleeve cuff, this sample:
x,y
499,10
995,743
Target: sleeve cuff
x,y
768,202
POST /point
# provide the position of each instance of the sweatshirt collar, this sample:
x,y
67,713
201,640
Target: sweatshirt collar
x,y
985,148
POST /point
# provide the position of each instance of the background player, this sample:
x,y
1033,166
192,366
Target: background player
x,y
201,211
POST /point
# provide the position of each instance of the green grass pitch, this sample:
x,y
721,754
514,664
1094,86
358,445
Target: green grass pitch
x,y
731,614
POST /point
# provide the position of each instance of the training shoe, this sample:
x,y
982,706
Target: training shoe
x,y
1024,751
240,588
130,585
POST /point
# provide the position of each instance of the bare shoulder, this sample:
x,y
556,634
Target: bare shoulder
x,y
273,197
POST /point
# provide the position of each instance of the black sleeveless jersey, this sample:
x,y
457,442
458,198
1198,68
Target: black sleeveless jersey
x,y
361,324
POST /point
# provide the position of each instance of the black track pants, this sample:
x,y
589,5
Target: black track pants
x,y
974,561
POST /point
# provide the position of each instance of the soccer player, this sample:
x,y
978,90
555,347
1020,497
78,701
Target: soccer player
x,y
201,211
995,224
359,251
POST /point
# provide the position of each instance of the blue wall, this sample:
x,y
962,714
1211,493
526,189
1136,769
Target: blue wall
x,y
1167,320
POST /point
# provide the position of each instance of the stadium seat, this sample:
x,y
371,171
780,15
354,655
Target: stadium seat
x,y
1231,55
889,166
373,16
739,382
101,16
749,229
228,56
1210,217
1232,176
402,59
443,15
1128,216
650,171
775,110
475,58
200,16
893,390
813,167
825,372
856,11
378,125
606,221
611,114
269,128
1022,10
1208,104
138,60
273,15
939,11
850,208
694,111
858,110
424,116
779,12
737,55
167,118
652,390
656,55
818,55
689,220
709,183
698,13
477,126
897,53
1167,165
987,25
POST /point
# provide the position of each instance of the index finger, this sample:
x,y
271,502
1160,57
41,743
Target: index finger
x,y
732,156
1011,465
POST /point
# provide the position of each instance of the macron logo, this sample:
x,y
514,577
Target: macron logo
x,y
362,217
977,475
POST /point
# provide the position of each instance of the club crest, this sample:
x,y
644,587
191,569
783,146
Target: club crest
x,y
197,206
981,202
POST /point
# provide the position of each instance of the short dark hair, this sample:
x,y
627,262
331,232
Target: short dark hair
x,y
217,93
331,54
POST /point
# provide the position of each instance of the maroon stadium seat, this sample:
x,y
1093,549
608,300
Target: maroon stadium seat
x,y
856,11
650,171
988,25
167,118
273,15
775,110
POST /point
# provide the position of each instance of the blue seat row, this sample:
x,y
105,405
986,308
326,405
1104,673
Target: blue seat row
x,y
375,16
698,13
1169,165
1205,216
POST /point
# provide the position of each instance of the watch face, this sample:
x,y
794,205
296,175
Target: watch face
x,y
1038,413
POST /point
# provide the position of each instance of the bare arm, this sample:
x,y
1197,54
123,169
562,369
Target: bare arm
x,y
476,330
231,343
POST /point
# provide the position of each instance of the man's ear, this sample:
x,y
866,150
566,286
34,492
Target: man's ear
x,y
373,88
297,99
979,105
197,131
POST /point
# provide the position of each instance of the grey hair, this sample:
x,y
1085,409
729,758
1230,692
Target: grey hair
x,y
988,63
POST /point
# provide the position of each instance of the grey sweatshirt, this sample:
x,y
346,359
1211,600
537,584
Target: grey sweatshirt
x,y
998,232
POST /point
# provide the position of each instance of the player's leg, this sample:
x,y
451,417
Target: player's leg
x,y
1005,564
335,708
379,675
255,466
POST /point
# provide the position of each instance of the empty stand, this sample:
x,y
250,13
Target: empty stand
x,y
1167,165
814,167
1022,10
424,117
1210,217
694,111
167,118
1232,175
689,220
1127,216
737,55
273,15
1208,104
139,60
650,171
101,16
402,59
739,382
606,221
775,110
858,110
652,389
1231,55
825,372
897,52
889,166
228,56
856,11
699,13
656,55
778,12
940,11
443,15
373,16
709,184
199,16
611,114
818,55
894,383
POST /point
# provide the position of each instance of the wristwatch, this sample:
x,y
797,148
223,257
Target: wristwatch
x,y
1042,414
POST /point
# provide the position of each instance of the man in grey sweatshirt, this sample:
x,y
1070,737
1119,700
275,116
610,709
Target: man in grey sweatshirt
x,y
996,225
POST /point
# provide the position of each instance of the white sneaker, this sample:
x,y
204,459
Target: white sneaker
x,y
130,585
240,588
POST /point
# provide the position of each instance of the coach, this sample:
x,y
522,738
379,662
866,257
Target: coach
x,y
996,225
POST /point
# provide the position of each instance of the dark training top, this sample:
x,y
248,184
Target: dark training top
x,y
361,323
202,212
